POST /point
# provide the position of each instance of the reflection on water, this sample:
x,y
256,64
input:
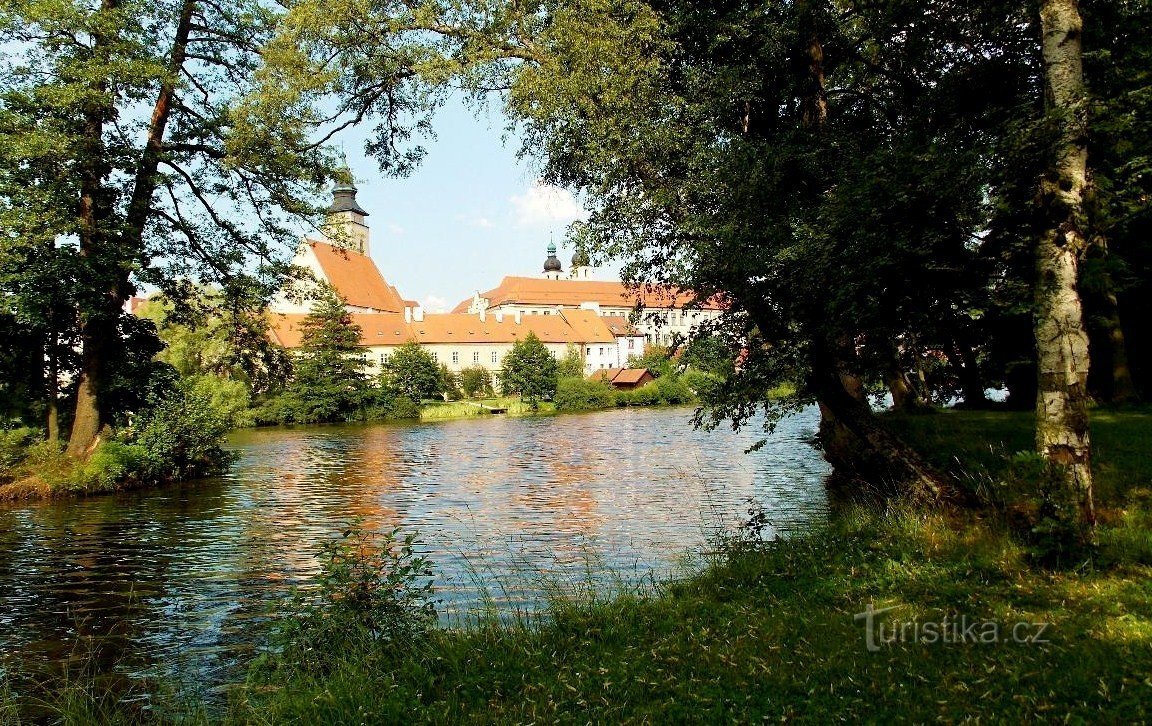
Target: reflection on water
x,y
177,579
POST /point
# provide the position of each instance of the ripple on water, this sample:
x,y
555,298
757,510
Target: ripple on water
x,y
176,579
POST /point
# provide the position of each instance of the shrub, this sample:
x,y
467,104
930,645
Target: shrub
x,y
648,395
14,445
228,396
450,384
699,382
404,408
577,394
476,381
113,464
373,590
182,435
672,390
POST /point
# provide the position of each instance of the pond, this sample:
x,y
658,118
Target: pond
x,y
176,581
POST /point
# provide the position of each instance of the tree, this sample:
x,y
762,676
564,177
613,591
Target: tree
x,y
530,370
216,334
450,383
572,364
412,372
476,382
127,160
329,382
1061,341
656,358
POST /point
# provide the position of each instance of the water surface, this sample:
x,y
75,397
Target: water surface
x,y
174,580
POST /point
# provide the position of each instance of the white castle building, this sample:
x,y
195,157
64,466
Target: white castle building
x,y
459,339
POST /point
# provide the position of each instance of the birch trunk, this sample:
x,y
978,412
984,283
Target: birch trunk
x,y
1061,341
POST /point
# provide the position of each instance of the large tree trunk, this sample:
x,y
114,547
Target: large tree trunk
x,y
93,212
1061,342
1106,336
963,359
99,328
863,449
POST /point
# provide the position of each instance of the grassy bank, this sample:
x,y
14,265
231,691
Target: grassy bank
x,y
768,632
512,405
767,629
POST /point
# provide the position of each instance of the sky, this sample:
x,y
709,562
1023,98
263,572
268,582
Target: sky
x,y
469,215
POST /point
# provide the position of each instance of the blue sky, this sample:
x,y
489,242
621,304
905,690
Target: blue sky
x,y
470,214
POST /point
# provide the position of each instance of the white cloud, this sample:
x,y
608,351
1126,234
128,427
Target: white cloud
x,y
434,304
543,204
481,222
395,229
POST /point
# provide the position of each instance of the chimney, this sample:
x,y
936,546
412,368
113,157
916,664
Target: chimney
x,y
499,316
517,317
407,314
418,314
483,315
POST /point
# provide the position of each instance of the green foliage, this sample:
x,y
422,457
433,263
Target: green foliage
x,y
114,465
709,354
530,370
668,390
701,384
329,382
404,408
657,359
648,395
227,396
450,384
124,163
181,435
374,591
14,445
476,381
213,335
578,394
572,364
412,372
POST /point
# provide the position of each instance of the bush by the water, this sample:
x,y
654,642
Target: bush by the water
x,y
178,436
578,394
374,591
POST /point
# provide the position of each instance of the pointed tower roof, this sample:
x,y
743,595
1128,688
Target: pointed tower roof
x,y
344,200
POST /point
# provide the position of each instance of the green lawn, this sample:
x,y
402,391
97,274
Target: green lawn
x,y
976,443
437,410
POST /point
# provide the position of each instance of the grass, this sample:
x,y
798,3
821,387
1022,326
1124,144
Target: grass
x,y
437,411
766,630
976,444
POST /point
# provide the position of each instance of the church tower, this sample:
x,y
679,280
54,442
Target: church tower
x,y
552,270
581,266
346,226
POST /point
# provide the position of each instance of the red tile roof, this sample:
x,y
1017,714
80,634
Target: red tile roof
x,y
575,326
621,376
571,293
356,278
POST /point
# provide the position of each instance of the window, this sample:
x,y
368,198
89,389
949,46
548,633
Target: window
x,y
493,356
383,359
631,343
601,351
589,350
455,357
476,356
435,356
